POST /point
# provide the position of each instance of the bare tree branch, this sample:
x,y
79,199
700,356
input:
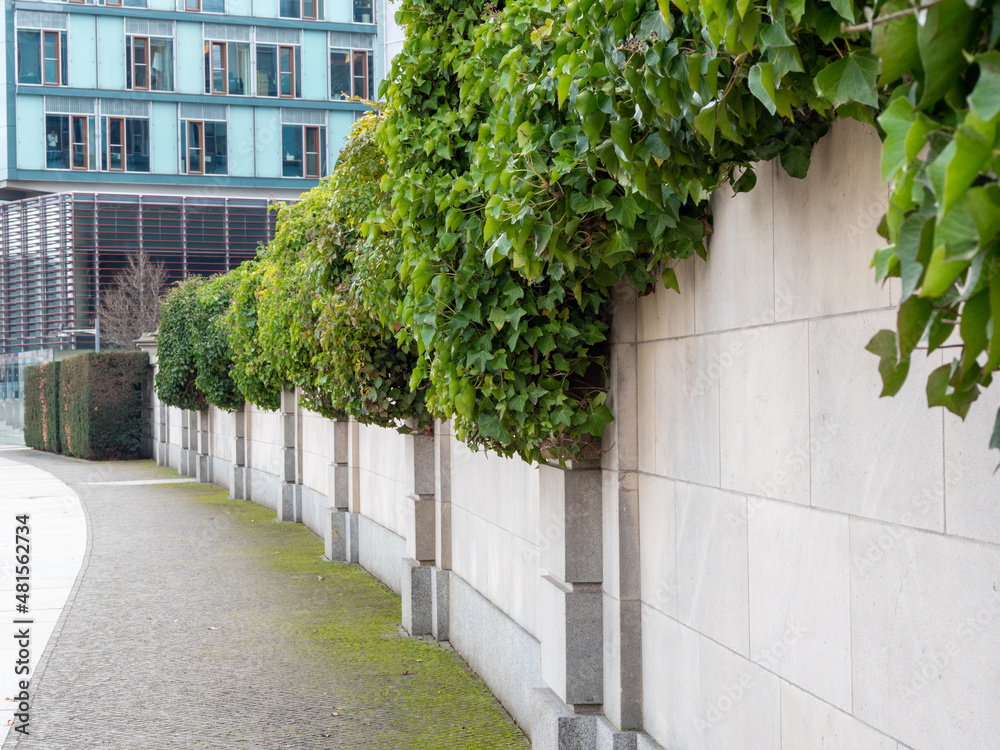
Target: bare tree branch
x,y
131,307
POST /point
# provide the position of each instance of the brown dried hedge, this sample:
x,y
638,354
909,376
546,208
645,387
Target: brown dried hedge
x,y
41,407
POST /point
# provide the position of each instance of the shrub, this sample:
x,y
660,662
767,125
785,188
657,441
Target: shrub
x,y
177,373
102,397
41,407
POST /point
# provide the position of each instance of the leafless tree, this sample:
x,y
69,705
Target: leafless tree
x,y
130,307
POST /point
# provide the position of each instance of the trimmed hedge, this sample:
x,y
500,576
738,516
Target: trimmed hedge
x,y
102,398
41,407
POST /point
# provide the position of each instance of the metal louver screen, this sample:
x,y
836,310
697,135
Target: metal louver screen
x,y
226,32
149,27
267,35
124,108
203,111
350,40
36,19
69,105
303,116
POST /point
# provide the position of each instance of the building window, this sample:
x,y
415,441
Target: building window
x,y
303,151
204,148
69,141
352,73
126,142
364,11
203,6
309,10
227,68
149,63
278,69
41,57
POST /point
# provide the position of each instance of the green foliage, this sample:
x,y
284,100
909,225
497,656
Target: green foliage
x,y
177,374
41,407
253,372
542,153
195,358
213,357
102,396
940,158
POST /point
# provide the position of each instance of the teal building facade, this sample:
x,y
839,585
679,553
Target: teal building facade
x,y
224,98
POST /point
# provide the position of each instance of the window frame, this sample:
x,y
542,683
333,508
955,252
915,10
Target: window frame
x,y
291,72
189,3
210,66
306,152
368,92
58,47
86,142
147,64
107,146
354,13
187,156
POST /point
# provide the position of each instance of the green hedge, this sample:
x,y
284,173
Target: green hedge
x,y
102,398
41,407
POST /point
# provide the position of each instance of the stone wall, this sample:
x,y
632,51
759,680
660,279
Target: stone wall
x,y
767,555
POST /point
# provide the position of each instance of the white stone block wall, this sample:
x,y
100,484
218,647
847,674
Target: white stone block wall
x,y
222,427
495,501
264,440
819,567
385,478
315,458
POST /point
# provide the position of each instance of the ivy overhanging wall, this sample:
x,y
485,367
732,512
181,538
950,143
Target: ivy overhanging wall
x,y
733,572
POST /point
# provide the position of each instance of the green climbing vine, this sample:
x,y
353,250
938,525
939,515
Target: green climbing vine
x,y
532,155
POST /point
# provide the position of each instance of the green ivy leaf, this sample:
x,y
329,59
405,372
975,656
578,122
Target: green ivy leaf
x,y
761,82
895,43
957,166
890,367
851,79
845,8
985,97
941,273
625,211
945,33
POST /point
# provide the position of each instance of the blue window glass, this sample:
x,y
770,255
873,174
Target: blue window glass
x,y
29,56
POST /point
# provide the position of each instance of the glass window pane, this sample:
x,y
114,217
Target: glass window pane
x,y
78,132
291,150
161,71
286,60
194,146
363,12
140,58
115,144
239,68
216,148
267,71
289,8
136,145
29,55
219,67
213,6
57,141
133,4
340,74
184,155
308,8
360,73
50,56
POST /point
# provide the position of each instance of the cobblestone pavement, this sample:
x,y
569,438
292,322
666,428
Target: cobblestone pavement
x,y
201,622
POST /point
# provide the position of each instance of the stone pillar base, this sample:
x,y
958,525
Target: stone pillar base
x,y
290,503
335,545
204,469
353,542
558,727
440,589
237,484
416,597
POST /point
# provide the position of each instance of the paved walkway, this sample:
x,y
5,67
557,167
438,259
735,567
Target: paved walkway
x,y
201,622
